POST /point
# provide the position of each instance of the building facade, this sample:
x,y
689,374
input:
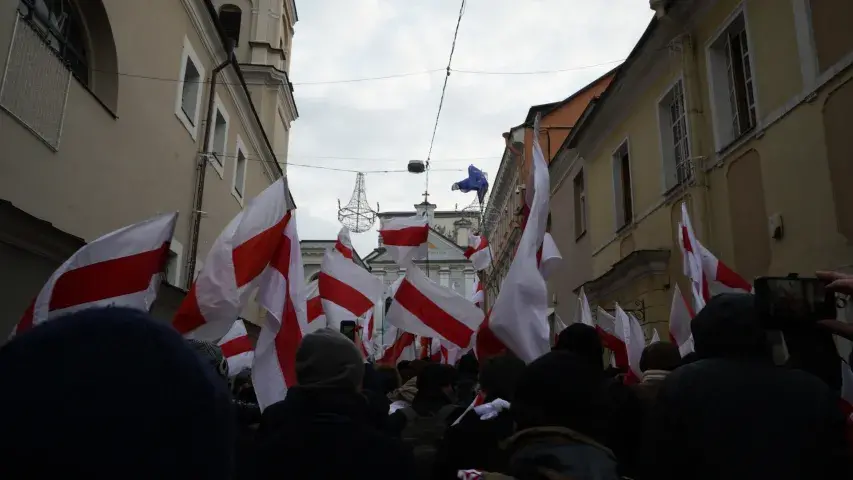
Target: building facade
x,y
741,109
504,211
445,264
105,125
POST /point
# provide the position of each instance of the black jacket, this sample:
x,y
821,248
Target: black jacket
x,y
314,434
472,444
745,419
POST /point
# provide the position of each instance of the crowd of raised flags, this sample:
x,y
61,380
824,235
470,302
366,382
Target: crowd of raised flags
x,y
259,252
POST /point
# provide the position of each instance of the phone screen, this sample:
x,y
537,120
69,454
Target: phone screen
x,y
348,329
787,301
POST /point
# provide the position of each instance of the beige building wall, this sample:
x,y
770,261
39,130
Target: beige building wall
x,y
787,169
123,154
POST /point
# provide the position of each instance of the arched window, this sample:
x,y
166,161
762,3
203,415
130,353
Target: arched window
x,y
62,28
230,16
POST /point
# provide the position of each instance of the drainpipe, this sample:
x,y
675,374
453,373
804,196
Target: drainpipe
x,y
201,172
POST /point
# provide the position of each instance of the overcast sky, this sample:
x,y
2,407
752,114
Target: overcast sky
x,y
385,123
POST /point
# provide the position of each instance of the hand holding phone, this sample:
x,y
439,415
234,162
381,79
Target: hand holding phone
x,y
348,328
791,301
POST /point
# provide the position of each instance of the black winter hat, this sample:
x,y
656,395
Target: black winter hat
x,y
106,393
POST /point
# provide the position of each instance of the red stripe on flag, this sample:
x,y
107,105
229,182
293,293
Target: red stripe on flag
x,y
287,342
432,315
729,278
405,237
345,251
346,296
488,345
281,256
108,279
236,346
370,328
252,256
26,321
315,309
396,349
188,317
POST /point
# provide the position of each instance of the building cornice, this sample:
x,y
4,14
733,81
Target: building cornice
x,y
636,265
272,77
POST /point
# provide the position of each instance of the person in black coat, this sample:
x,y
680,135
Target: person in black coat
x,y
733,414
473,443
323,427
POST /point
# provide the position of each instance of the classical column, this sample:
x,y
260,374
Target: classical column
x,y
444,277
470,275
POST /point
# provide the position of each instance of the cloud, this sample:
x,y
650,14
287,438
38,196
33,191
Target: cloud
x,y
390,121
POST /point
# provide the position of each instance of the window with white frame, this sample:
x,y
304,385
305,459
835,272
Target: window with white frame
x,y
240,164
732,82
188,104
622,186
219,138
580,204
675,141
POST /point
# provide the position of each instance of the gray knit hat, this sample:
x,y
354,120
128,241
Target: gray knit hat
x,y
328,359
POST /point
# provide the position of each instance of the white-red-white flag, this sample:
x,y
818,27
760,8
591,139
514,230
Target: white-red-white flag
x,y
478,252
237,348
314,303
631,333
423,307
347,291
405,238
680,316
234,265
519,315
344,244
583,313
403,347
121,268
282,293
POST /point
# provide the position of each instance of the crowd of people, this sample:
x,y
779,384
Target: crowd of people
x,y
111,393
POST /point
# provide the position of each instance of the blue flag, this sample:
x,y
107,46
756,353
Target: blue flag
x,y
476,182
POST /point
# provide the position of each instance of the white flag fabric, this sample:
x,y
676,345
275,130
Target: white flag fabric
x,y
583,313
347,291
680,316
121,268
655,337
422,307
234,265
479,252
405,238
237,349
282,293
550,257
519,315
630,331
478,296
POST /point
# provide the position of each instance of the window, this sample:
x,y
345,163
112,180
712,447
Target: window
x,y
675,141
219,136
580,205
173,263
622,186
239,186
230,16
732,82
188,103
62,29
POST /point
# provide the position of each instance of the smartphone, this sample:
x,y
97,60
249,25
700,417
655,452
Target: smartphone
x,y
784,302
348,328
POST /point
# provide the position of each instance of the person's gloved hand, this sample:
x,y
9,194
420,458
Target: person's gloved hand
x,y
490,410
